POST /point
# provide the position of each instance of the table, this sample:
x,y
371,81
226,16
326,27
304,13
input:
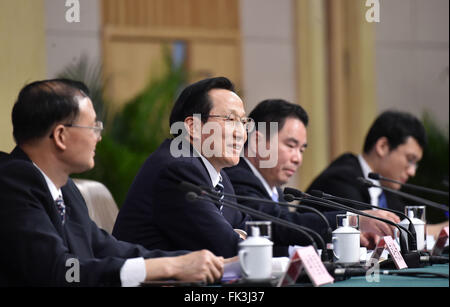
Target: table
x,y
400,281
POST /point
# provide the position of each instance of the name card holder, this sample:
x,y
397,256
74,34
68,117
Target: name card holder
x,y
306,258
440,243
388,242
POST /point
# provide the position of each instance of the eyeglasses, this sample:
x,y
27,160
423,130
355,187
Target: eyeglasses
x,y
247,122
412,162
98,127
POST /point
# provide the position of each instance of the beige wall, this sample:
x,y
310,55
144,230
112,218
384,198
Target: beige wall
x,y
412,63
22,56
67,42
268,50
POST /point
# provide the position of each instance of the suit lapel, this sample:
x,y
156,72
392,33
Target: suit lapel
x,y
254,180
75,229
49,205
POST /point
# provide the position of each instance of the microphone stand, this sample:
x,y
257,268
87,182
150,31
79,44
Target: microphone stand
x,y
412,259
328,203
412,240
196,192
266,201
424,201
376,176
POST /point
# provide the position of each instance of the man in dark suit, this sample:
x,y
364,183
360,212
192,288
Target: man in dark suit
x,y
393,146
156,213
47,236
254,176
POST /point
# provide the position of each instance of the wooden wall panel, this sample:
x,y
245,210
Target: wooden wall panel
x,y
134,32
212,14
129,66
213,59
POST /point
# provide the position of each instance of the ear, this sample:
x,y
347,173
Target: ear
x,y
60,137
192,124
382,147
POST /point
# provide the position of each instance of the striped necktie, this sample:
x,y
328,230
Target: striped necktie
x,y
59,202
219,190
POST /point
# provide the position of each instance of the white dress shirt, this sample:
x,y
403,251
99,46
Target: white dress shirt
x,y
213,174
373,192
271,191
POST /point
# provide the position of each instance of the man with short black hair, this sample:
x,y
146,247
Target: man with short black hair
x,y
393,146
281,136
45,227
210,128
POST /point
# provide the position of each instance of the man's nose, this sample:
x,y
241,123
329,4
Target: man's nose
x,y
297,157
239,133
412,168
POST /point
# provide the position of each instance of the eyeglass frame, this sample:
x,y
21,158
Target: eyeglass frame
x,y
238,119
98,128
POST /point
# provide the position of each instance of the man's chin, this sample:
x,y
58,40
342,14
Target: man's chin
x,y
84,168
232,161
394,186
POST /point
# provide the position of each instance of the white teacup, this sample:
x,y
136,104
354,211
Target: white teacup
x,y
346,242
255,257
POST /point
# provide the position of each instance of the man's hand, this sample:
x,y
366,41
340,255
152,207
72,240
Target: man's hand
x,y
196,266
376,227
369,240
435,229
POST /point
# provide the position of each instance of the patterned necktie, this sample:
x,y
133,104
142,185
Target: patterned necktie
x,y
59,202
219,190
382,203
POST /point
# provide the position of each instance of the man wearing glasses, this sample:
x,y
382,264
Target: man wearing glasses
x,y
45,227
210,128
288,142
393,148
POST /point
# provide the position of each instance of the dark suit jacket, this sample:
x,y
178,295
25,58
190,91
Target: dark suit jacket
x,y
156,213
35,244
339,179
247,184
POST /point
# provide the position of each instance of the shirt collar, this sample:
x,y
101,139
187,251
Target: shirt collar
x,y
271,191
213,174
373,192
51,186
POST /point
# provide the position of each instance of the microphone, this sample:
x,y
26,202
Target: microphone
x,y
271,202
376,176
299,195
192,195
339,271
412,241
421,200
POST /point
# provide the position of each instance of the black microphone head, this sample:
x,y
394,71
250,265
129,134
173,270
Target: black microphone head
x,y
317,193
365,182
374,176
289,197
293,192
191,196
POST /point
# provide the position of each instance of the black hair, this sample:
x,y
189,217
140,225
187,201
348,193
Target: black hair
x,y
277,110
396,127
41,104
194,99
